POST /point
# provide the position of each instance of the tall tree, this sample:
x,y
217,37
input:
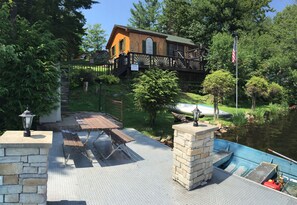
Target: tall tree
x,y
201,19
94,39
213,16
256,87
220,84
176,17
28,75
145,15
65,18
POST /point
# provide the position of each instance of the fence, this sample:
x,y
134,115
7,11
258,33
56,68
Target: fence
x,y
98,69
113,107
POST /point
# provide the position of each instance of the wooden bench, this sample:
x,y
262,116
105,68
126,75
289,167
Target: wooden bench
x,y
119,139
72,140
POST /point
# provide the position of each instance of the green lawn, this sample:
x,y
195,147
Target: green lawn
x,y
89,101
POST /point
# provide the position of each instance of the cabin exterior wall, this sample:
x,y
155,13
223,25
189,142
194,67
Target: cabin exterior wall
x,y
121,35
138,38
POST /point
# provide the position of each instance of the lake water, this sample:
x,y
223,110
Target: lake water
x,y
279,135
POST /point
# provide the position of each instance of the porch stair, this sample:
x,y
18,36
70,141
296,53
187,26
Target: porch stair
x,y
120,71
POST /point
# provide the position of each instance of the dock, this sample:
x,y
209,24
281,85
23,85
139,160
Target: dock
x,y
147,179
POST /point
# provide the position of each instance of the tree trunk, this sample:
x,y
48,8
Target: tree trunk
x,y
253,102
215,100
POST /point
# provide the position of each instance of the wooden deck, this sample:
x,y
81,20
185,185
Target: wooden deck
x,y
122,65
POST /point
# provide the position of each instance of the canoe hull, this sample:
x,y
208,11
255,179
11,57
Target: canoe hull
x,y
188,109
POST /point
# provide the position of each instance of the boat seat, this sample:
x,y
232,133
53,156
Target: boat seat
x,y
221,157
262,173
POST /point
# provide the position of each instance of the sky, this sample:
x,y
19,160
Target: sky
x,y
111,12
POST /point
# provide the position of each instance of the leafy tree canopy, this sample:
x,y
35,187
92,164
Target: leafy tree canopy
x,y
28,76
276,93
256,87
145,15
65,18
220,84
94,39
154,90
202,19
175,17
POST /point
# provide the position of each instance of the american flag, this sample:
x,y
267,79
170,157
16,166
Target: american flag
x,y
234,52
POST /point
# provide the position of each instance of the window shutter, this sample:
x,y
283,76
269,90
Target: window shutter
x,y
124,44
143,46
155,48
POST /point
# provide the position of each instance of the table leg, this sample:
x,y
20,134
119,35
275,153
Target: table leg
x,y
88,137
100,133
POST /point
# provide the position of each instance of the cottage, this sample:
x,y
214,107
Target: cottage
x,y
130,46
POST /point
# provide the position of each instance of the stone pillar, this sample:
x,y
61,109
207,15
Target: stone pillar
x,y
23,167
192,154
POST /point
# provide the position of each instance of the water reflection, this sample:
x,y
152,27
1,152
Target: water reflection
x,y
279,135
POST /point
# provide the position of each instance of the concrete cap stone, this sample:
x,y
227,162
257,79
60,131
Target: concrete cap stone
x,y
189,128
15,139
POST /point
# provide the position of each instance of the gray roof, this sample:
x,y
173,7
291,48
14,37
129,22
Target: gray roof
x,y
168,37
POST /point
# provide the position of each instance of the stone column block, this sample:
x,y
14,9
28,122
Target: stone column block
x,y
24,167
192,161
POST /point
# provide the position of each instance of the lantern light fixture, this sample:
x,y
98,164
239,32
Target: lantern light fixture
x,y
196,115
27,122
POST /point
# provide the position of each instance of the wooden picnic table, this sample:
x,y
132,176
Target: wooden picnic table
x,y
87,122
103,124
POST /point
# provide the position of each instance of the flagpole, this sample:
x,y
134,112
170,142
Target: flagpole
x,y
236,65
235,60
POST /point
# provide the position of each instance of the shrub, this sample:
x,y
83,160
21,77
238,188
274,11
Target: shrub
x,y
258,114
108,79
154,90
271,112
276,93
78,76
256,87
239,119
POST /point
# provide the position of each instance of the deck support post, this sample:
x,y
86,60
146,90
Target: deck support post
x,y
192,154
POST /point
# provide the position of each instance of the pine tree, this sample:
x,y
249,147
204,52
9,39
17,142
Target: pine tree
x,y
145,15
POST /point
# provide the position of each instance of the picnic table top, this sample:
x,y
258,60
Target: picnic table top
x,y
95,122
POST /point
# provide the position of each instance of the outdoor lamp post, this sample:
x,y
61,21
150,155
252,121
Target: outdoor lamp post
x,y
196,114
27,122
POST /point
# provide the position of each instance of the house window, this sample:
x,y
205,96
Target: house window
x,y
175,50
113,51
122,45
149,47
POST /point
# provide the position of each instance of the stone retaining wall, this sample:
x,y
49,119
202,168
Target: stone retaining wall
x,y
23,167
192,154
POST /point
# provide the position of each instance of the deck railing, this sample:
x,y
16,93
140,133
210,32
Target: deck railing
x,y
164,62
